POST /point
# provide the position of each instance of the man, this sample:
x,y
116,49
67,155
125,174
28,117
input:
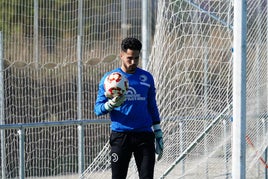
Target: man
x,y
133,116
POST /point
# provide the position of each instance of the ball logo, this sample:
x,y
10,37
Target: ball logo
x,y
115,77
114,157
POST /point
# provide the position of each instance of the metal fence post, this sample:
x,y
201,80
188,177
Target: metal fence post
x,y
2,114
21,153
81,154
36,40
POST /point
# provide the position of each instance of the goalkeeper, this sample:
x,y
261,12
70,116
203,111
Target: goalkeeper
x,y
135,121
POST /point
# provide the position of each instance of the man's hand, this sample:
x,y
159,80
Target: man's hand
x,y
107,95
114,102
159,145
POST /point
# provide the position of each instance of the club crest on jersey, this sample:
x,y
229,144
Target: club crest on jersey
x,y
143,78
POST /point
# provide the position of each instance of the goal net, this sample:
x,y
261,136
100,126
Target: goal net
x,y
191,61
41,43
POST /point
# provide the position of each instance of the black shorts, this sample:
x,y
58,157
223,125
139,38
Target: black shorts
x,y
141,145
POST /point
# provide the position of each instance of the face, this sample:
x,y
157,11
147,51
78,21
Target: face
x,y
130,60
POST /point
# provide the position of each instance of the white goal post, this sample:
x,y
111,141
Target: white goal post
x,y
239,89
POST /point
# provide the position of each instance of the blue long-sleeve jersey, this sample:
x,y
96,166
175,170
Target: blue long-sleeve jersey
x,y
139,112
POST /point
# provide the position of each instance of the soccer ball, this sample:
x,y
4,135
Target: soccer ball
x,y
115,84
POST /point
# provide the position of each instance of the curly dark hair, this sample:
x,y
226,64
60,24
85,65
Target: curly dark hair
x,y
131,43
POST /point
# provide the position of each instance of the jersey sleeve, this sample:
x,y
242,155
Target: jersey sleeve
x,y
152,104
101,99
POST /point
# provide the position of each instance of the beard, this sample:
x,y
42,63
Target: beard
x,y
132,68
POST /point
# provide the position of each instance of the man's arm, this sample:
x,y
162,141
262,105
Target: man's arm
x,y
104,104
99,108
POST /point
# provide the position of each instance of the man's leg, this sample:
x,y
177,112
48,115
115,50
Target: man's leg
x,y
120,155
145,156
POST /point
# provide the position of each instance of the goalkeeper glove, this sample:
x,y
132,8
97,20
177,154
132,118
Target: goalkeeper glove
x,y
159,145
107,95
114,102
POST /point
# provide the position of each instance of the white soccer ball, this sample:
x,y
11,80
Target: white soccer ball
x,y
115,84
